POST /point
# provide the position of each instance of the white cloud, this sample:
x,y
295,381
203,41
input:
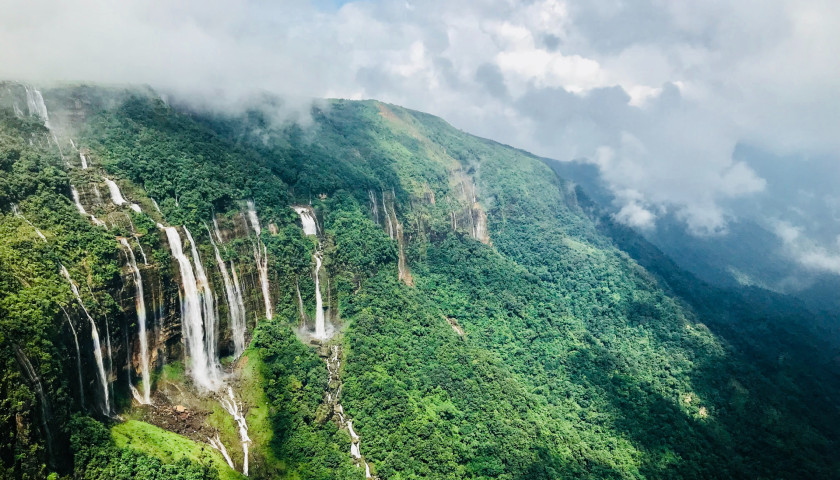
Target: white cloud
x,y
668,89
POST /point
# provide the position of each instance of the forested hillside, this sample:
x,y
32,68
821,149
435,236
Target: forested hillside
x,y
371,293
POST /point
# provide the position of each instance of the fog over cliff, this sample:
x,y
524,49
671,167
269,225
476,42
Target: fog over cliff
x,y
704,110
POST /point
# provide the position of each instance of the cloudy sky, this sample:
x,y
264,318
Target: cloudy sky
x,y
657,93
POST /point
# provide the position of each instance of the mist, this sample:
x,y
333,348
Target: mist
x,y
660,96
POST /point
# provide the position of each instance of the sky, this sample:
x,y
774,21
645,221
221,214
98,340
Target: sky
x,y
664,97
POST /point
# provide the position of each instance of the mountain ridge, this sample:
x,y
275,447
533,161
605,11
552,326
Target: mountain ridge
x,y
577,358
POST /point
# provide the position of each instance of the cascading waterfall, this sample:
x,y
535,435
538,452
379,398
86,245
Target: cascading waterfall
x,y
36,105
234,408
97,345
261,258
142,253
236,307
140,306
310,227
83,158
387,217
333,398
202,368
208,306
320,322
116,195
81,208
307,220
216,443
373,206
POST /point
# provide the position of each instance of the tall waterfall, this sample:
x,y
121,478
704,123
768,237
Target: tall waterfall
x,y
310,227
202,367
208,306
320,322
140,306
116,195
387,217
307,220
373,206
97,345
81,208
261,258
236,307
36,105
114,189
83,158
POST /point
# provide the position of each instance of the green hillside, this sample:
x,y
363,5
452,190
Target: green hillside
x,y
492,322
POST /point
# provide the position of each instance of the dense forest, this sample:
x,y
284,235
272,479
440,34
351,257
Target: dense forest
x,y
483,317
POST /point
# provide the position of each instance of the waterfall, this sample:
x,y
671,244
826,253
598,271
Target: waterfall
x,y
84,160
261,258
387,217
142,253
307,220
35,103
333,400
236,308
310,227
237,291
320,323
373,206
202,368
208,306
116,195
78,359
114,189
140,305
30,372
97,346
216,443
81,208
235,410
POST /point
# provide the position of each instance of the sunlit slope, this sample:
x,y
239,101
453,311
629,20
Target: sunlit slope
x,y
490,324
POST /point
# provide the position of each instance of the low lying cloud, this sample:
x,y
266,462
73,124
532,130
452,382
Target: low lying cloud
x,y
656,94
807,253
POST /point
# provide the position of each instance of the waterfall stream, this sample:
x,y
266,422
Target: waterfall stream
x,y
81,208
97,346
261,258
36,105
117,197
202,367
236,307
334,399
234,408
211,321
140,306
320,322
310,227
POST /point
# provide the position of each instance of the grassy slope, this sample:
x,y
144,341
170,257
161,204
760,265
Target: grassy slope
x,y
169,447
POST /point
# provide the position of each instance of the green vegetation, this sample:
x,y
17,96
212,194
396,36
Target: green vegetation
x,y
171,449
584,353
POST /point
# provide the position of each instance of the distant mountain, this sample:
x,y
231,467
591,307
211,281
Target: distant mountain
x,y
370,293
